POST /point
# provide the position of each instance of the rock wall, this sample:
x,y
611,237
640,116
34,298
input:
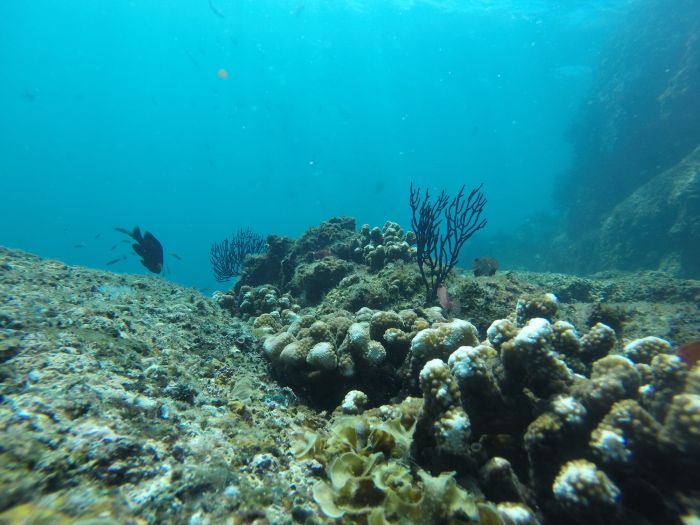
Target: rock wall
x,y
657,226
641,116
631,200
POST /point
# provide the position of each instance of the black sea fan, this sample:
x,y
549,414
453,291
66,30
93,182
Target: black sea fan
x,y
438,246
227,257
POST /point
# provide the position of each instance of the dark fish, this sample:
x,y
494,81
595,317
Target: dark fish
x,y
216,10
176,256
147,247
79,245
689,353
98,236
115,261
30,94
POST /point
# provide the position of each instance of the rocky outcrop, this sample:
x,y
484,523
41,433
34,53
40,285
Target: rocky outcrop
x,y
639,118
658,226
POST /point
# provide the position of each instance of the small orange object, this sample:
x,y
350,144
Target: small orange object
x,y
222,74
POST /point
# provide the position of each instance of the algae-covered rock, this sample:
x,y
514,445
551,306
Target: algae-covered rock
x,y
130,399
312,280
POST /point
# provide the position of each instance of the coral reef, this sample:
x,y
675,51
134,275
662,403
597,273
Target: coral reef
x,y
324,356
322,259
130,400
537,416
380,247
569,464
255,301
626,418
586,492
397,285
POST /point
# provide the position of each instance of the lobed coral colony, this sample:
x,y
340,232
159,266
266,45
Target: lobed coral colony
x,y
520,419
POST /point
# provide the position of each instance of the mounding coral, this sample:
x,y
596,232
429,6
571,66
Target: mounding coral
x,y
535,419
579,447
531,403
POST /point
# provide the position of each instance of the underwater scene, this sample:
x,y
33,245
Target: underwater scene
x,y
359,262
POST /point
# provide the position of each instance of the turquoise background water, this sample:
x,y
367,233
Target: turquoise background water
x,y
113,114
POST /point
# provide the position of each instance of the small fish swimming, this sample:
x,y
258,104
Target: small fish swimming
x,y
175,256
299,9
147,247
115,261
194,60
117,244
80,245
572,71
30,94
216,10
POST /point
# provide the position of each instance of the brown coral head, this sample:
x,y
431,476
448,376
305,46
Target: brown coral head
x,y
484,266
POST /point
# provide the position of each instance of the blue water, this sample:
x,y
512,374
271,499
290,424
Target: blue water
x,y
114,114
